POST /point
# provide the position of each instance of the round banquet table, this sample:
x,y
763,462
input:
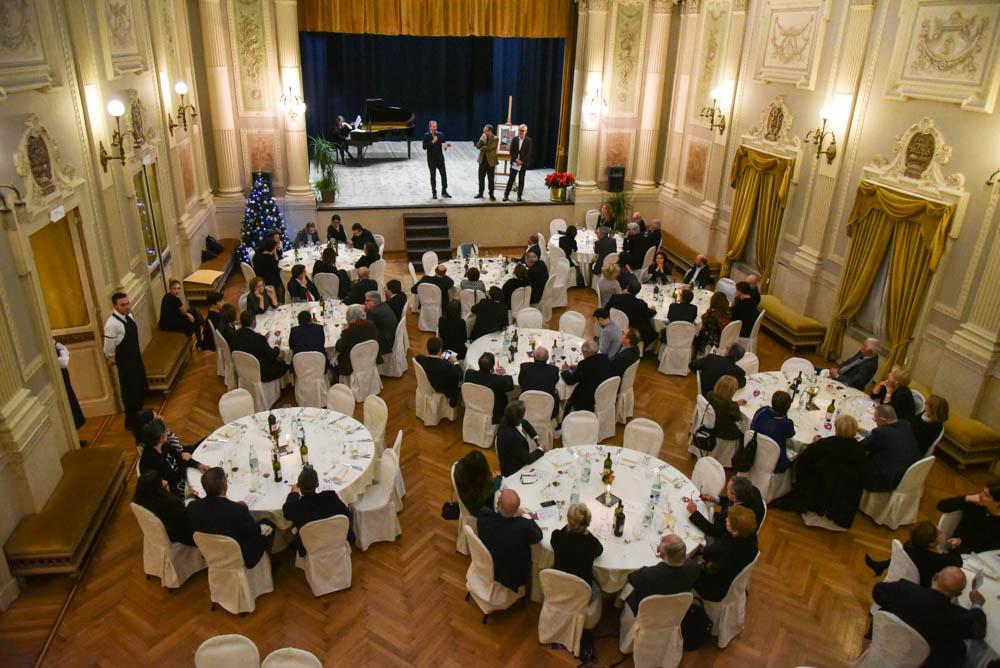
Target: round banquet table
x,y
567,345
557,474
491,271
981,652
667,296
585,240
307,255
277,323
341,450
808,423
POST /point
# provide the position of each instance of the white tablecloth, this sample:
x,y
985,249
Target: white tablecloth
x,y
558,473
307,255
491,271
981,652
567,345
667,296
585,240
277,323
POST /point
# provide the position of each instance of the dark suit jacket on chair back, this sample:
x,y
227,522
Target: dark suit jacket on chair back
x,y
218,515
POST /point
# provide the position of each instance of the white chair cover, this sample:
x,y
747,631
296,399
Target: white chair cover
x,y
948,522
538,412
248,374
227,651
918,401
327,563
543,248
429,296
676,355
709,476
430,407
230,584
328,285
248,272
937,441
567,609
311,383
224,361
653,637
750,343
364,379
477,425
235,404
172,563
565,278
465,519
380,242
771,485
291,657
730,334
530,318
220,364
647,259
375,518
548,300
901,566
729,614
556,226
376,415
286,276
429,261
625,404
410,297
340,398
643,435
488,594
470,298
520,299
726,286
605,400
894,643
376,272
580,428
397,453
573,322
394,364
590,218
750,363
793,365
619,318
242,302
899,507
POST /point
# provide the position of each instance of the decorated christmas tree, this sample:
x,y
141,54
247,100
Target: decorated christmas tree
x,y
261,217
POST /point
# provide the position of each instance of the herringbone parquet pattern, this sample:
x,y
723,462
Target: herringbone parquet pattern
x,y
808,603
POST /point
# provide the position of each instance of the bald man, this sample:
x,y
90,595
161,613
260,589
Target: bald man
x,y
508,533
930,611
699,276
441,279
859,369
675,574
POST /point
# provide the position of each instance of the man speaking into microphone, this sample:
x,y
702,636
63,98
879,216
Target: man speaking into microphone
x,y
435,146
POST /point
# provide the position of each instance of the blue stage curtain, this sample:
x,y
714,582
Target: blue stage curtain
x,y
461,82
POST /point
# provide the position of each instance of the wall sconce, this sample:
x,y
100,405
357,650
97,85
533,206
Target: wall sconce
x,y
819,136
720,94
182,111
993,178
293,105
116,109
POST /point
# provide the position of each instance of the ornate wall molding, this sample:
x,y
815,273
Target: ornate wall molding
x,y
627,52
711,53
253,46
38,162
262,150
793,44
774,134
695,165
23,62
121,45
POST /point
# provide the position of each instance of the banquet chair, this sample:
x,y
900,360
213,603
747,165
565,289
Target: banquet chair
x,y
327,563
568,608
220,366
729,615
248,272
653,637
937,441
466,251
429,296
794,365
328,285
580,428
227,651
771,485
465,518
543,248
948,522
555,253
605,400
643,435
380,242
918,403
429,405
899,507
429,261
242,301
676,355
376,415
225,358
750,363
726,286
894,643
538,408
901,566
619,318
311,383
647,259
749,343
548,299
565,275
291,657
376,272
468,299
411,298
375,513
625,403
573,322
235,404
248,373
477,425
724,448
340,398
286,276
530,318
488,594
172,563
556,226
231,584
709,476
364,379
394,363
396,453
520,299
730,334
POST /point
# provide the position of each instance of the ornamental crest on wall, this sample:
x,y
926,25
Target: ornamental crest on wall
x,y
39,163
918,155
774,134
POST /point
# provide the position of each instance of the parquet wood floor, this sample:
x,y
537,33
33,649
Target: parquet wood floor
x,y
808,600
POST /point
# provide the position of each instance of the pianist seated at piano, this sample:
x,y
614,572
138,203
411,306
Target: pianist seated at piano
x,y
341,133
382,123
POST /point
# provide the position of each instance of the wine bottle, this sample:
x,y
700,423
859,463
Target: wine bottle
x,y
272,423
276,465
607,462
304,453
619,527
830,410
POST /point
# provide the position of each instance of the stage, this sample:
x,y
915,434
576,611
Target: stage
x,y
386,179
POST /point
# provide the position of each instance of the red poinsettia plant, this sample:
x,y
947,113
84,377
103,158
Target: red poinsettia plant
x,y
560,180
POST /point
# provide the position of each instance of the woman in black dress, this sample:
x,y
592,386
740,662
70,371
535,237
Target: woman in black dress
x,y
927,426
928,552
227,322
175,316
475,483
370,257
895,391
335,232
979,528
261,297
451,329
659,273
151,493
214,316
568,243
159,454
575,548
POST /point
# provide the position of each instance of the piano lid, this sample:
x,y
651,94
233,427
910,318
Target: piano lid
x,y
378,113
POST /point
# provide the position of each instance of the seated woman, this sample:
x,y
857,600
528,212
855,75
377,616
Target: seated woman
x,y
928,551
176,316
927,426
895,391
451,329
729,554
659,273
475,483
327,264
151,493
727,412
214,315
471,281
575,548
227,322
159,456
568,244
512,440
979,528
713,320
773,421
370,257
608,284
520,280
261,297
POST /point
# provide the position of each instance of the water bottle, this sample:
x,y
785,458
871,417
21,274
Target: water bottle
x,y
585,473
647,519
574,496
656,489
254,469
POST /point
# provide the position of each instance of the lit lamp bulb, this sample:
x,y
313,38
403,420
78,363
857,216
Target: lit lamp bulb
x,y
716,92
824,114
181,88
116,108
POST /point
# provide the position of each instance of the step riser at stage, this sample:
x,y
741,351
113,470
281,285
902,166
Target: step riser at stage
x,y
426,232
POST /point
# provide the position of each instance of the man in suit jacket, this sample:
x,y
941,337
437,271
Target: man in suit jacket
x,y
538,274
628,353
891,448
592,370
520,280
634,248
395,298
487,159
385,321
740,491
532,247
360,287
508,536
639,314
360,236
653,236
307,236
752,281
699,276
541,376
300,288
246,340
744,309
307,336
520,155
499,383
443,375
265,265
684,310
859,369
713,367
675,574
304,505
357,330
931,612
442,280
515,435
492,315
604,246
216,514
435,145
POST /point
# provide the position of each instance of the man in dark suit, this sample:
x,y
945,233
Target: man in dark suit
x,y
859,369
395,298
499,383
891,448
307,236
488,143
653,236
540,376
520,155
216,514
532,247
713,367
492,315
538,274
360,287
592,370
628,354
740,491
442,280
675,574
604,246
300,288
384,319
360,236
304,505
435,145
307,336
634,248
639,313
520,280
744,309
358,329
443,375
265,265
699,276
684,310
246,340
931,612
752,281
508,536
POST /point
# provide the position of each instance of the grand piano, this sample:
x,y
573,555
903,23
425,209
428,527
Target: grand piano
x,y
382,123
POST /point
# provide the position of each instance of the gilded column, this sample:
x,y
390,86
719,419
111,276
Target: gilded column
x,y
591,107
649,128
217,68
287,22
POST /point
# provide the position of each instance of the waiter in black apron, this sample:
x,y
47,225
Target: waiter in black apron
x,y
121,349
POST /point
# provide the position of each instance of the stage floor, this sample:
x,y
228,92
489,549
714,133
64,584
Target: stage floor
x,y
387,178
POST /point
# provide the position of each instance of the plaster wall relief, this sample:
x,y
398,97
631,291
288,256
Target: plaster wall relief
x,y
168,29
23,61
696,157
793,41
628,47
617,150
947,51
774,133
120,42
261,151
38,161
187,172
711,50
250,29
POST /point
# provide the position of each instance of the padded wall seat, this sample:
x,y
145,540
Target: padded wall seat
x,y
795,329
164,358
212,275
682,255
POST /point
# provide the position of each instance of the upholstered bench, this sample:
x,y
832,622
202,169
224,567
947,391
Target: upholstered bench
x,y
793,328
164,358
58,538
966,440
682,256
213,274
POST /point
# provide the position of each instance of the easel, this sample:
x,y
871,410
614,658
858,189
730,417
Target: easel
x,y
502,176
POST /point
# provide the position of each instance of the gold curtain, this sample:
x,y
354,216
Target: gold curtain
x,y
909,275
59,275
456,18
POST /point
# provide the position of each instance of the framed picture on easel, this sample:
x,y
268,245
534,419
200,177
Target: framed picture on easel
x,y
506,134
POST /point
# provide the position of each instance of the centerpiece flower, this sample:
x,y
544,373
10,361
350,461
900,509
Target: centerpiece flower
x,y
557,183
